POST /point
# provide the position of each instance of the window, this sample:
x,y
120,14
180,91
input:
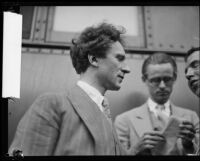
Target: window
x,y
65,23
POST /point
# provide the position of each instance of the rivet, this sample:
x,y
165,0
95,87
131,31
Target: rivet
x,y
171,46
151,44
37,29
147,10
149,27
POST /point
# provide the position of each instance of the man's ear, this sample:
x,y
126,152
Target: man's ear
x,y
93,60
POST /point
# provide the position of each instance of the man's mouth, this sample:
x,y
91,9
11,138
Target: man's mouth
x,y
193,83
120,76
162,93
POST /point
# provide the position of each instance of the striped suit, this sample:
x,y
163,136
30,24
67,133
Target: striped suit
x,y
65,124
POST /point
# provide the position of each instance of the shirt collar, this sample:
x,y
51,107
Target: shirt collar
x,y
92,92
152,106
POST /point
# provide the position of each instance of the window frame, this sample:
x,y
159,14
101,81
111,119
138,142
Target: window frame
x,y
31,36
64,38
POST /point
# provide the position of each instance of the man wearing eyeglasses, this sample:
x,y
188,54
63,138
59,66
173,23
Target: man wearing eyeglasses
x,y
139,129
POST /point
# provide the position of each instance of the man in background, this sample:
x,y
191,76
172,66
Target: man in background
x,y
140,130
192,70
78,122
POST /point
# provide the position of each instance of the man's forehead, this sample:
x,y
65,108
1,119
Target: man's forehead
x,y
117,48
194,56
159,68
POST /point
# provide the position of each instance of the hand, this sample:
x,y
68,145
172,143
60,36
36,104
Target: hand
x,y
149,141
187,134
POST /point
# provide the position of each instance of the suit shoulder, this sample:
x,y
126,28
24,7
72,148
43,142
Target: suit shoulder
x,y
185,110
129,113
47,101
51,97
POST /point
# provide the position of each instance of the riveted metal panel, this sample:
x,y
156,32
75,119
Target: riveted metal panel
x,y
173,28
40,24
148,28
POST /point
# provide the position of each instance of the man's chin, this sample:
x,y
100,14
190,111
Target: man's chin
x,y
115,88
162,100
197,92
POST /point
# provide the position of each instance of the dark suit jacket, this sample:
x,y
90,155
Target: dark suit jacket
x,y
65,124
132,124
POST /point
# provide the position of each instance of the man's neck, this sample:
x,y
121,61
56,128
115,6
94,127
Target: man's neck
x,y
91,80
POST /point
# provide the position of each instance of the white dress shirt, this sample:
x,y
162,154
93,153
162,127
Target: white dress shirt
x,y
152,107
92,92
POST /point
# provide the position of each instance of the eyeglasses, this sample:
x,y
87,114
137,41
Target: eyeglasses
x,y
156,81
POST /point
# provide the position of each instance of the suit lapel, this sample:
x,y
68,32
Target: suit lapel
x,y
118,148
141,120
90,114
177,112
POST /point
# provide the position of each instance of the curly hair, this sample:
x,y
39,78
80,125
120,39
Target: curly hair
x,y
94,41
159,58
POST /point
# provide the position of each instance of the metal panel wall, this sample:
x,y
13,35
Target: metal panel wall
x,y
173,28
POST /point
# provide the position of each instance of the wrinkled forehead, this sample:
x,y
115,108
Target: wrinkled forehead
x,y
193,57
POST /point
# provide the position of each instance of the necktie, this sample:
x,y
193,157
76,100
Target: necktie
x,y
106,109
161,115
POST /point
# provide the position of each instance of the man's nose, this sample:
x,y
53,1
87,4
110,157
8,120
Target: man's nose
x,y
189,73
126,69
162,84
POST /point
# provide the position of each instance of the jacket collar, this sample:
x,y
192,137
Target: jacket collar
x,y
91,116
142,121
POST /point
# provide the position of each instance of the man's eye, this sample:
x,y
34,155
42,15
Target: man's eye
x,y
195,64
120,57
167,79
155,80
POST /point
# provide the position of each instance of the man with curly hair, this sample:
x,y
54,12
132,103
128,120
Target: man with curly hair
x,y
76,122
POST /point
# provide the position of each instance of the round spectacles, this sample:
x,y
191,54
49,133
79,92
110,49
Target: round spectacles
x,y
156,81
